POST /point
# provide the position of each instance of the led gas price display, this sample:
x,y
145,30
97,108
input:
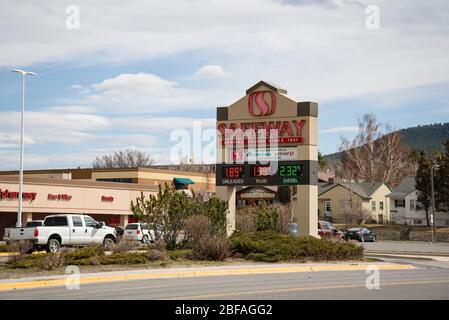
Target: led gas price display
x,y
275,173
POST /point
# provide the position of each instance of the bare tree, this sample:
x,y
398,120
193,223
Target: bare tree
x,y
124,159
374,155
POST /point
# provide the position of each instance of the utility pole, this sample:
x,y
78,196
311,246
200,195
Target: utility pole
x,y
432,169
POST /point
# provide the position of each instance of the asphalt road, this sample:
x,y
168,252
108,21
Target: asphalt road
x,y
429,281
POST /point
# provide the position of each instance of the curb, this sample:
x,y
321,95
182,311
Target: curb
x,y
182,274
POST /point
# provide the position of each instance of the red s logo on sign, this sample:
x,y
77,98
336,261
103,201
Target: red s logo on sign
x,y
257,98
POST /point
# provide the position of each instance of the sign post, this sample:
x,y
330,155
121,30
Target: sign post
x,y
267,139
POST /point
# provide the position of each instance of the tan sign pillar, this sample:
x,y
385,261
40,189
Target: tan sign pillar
x,y
267,139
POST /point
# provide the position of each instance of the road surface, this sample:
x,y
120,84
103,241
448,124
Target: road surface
x,y
428,281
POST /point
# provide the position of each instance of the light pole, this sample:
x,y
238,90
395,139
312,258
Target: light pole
x,y
19,212
432,169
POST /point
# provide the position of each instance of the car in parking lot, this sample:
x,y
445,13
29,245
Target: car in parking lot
x,y
327,230
138,232
360,234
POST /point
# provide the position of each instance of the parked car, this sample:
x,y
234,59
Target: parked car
x,y
327,230
139,232
65,230
360,234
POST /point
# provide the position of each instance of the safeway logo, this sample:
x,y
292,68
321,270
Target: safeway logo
x,y
258,105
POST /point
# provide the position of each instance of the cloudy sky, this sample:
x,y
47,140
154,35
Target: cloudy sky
x,y
134,71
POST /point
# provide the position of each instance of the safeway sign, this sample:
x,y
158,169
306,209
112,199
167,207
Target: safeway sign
x,y
262,155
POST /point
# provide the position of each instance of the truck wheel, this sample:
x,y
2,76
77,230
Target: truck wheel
x,y
53,246
108,243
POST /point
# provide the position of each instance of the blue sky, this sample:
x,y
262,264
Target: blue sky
x,y
130,75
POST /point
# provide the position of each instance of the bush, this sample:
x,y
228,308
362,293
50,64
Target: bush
x,y
4,248
167,212
211,247
51,262
156,255
158,245
177,254
271,247
126,258
24,261
83,256
124,246
196,227
245,220
263,217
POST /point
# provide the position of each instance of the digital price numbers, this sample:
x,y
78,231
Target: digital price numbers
x,y
279,173
290,170
260,171
233,171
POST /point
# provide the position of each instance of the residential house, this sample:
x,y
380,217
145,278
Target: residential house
x,y
406,209
346,202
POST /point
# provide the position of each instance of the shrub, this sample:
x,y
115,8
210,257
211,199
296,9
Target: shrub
x,y
83,256
245,220
196,227
267,218
263,217
22,247
4,248
126,258
156,255
178,254
167,212
271,247
158,245
211,247
24,261
51,262
124,246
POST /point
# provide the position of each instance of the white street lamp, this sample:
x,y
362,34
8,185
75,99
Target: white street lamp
x,y
432,169
19,212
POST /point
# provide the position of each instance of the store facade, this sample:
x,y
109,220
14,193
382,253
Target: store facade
x,y
104,201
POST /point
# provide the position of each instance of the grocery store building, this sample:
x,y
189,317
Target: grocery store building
x,y
104,194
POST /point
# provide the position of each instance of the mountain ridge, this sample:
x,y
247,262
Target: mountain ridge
x,y
428,137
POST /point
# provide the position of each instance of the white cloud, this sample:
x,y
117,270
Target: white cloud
x,y
73,109
142,92
211,70
320,52
51,127
340,129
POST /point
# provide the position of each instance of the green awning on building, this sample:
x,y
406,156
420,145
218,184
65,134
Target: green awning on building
x,y
183,181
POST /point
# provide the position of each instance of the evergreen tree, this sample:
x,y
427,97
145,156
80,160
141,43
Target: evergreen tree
x,y
321,161
422,181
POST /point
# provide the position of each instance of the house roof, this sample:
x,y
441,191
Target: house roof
x,y
363,189
406,186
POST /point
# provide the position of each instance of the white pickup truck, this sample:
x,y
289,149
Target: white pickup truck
x,y
65,230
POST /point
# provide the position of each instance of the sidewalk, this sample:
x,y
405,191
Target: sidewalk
x,y
144,274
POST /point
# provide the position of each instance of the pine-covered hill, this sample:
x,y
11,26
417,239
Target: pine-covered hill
x,y
427,137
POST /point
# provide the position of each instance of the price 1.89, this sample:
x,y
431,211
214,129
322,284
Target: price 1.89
x,y
233,172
